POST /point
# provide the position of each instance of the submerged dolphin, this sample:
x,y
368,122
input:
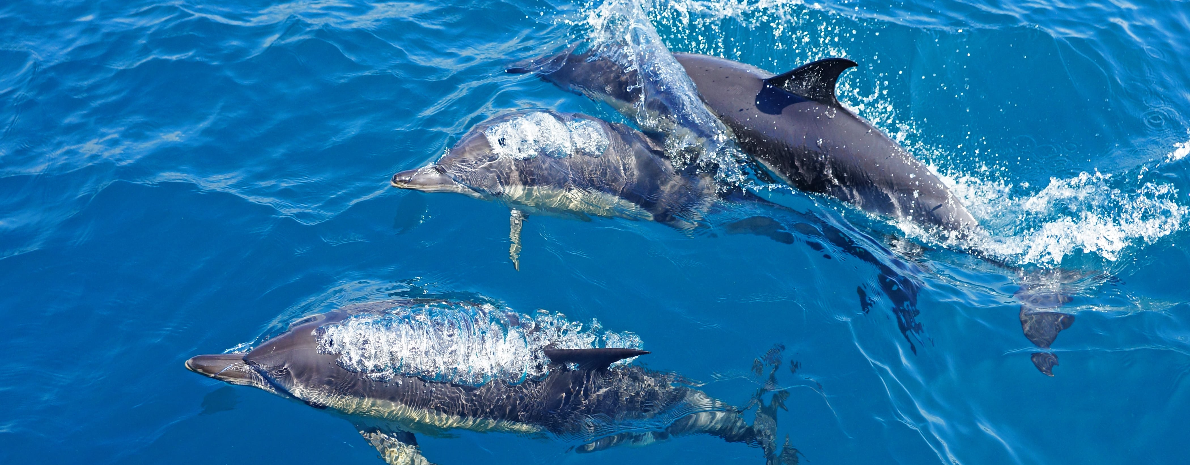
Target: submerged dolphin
x,y
582,399
793,125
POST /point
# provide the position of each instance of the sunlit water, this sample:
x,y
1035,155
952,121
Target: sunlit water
x,y
180,178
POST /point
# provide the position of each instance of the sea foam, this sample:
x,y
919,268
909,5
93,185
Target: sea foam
x,y
1091,213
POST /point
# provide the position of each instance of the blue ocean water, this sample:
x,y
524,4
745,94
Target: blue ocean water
x,y
181,178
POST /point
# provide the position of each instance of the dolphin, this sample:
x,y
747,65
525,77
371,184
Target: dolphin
x,y
581,399
792,124
540,161
566,163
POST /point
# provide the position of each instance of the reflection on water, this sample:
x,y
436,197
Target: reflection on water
x,y
219,400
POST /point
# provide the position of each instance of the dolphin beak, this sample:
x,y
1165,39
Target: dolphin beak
x,y
429,179
228,368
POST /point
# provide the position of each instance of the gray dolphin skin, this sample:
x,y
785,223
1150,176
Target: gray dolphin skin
x,y
583,399
793,125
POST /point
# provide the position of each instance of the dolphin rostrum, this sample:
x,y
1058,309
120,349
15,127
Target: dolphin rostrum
x,y
397,368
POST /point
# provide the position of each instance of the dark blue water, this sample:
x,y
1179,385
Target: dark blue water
x,y
181,178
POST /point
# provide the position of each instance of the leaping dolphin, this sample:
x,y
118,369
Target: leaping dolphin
x,y
582,399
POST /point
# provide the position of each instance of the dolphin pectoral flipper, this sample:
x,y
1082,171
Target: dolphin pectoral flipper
x,y
515,221
395,447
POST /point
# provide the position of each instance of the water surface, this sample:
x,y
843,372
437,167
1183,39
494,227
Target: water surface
x,y
181,178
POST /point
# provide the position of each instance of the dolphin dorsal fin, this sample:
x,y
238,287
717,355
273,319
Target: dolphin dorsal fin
x,y
815,81
591,359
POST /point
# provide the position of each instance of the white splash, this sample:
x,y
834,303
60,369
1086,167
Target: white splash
x,y
669,101
1088,213
1181,150
459,342
542,133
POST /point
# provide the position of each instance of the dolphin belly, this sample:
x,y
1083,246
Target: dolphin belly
x,y
424,420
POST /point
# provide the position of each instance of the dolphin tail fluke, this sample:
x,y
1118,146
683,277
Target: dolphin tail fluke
x,y
726,422
395,447
765,424
765,430
1041,326
1042,295
787,456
